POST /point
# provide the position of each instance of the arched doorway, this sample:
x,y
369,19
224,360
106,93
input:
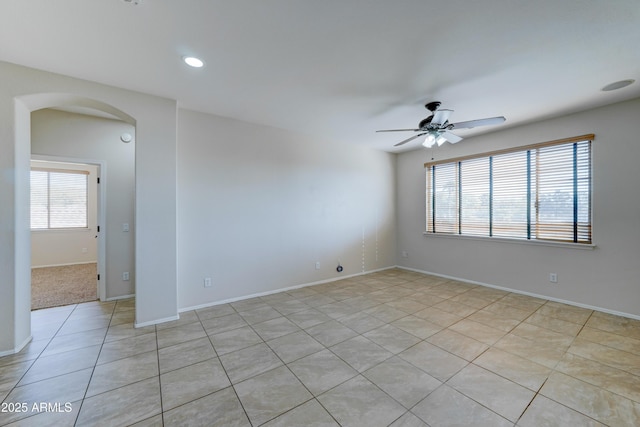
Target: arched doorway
x,y
24,106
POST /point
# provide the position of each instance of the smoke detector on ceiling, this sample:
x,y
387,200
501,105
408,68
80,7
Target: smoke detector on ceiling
x,y
136,2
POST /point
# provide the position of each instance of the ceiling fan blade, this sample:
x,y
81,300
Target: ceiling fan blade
x,y
480,122
398,130
409,139
440,117
451,137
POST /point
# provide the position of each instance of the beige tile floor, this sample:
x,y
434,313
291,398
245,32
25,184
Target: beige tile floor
x,y
393,348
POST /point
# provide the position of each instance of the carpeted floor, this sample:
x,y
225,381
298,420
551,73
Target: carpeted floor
x,y
64,285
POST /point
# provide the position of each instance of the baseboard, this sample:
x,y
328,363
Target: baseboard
x,y
18,349
64,265
276,291
531,294
156,322
120,297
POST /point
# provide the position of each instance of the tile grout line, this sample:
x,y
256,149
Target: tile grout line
x,y
93,369
283,365
235,392
159,376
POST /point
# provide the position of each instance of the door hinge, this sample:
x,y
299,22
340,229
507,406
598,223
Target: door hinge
x,y
98,277
98,180
98,229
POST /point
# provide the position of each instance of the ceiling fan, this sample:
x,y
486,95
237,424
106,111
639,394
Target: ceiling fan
x,y
437,127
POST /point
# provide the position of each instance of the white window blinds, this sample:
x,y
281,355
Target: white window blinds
x,y
58,199
541,192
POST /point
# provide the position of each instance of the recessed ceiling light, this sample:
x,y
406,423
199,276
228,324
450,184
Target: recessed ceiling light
x,y
192,61
617,85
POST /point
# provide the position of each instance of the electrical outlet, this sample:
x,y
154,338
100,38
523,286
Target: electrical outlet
x,y
553,277
125,276
318,265
405,254
207,282
85,250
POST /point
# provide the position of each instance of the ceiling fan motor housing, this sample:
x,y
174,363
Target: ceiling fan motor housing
x,y
432,106
425,122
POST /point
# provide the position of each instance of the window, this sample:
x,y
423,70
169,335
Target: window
x,y
537,192
58,199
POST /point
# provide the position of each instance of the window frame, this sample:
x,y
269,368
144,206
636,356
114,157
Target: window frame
x,y
49,171
431,207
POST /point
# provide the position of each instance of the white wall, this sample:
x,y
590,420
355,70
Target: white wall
x,y
606,277
258,207
66,246
24,90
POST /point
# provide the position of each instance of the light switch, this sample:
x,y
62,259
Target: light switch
x,y
125,227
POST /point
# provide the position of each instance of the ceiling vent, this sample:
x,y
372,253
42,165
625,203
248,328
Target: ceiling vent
x,y
617,85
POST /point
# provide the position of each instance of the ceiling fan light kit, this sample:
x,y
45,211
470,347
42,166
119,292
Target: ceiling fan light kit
x,y
433,138
437,128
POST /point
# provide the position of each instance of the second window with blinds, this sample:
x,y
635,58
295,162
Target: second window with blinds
x,y
537,192
58,199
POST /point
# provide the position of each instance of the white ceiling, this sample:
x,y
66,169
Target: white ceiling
x,y
340,69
